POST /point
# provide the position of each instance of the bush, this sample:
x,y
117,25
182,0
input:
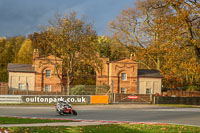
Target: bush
x,y
192,88
79,90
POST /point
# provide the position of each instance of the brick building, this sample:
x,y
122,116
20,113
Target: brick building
x,y
124,74
39,76
127,78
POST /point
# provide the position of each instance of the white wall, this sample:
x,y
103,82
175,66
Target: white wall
x,y
28,79
153,83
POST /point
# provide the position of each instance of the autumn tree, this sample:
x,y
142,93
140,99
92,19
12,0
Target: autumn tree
x,y
74,41
113,49
165,36
9,48
39,41
25,53
135,27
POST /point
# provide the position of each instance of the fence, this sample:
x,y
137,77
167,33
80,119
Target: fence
x,y
181,93
75,90
133,98
24,92
177,100
3,88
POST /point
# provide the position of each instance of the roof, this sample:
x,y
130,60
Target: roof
x,y
149,73
20,68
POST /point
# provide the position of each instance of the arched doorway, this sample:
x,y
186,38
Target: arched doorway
x,y
43,78
84,79
122,75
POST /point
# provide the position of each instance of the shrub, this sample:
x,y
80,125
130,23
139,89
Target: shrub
x,y
192,88
79,90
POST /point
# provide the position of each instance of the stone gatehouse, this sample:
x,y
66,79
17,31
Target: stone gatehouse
x,y
126,78
38,76
123,75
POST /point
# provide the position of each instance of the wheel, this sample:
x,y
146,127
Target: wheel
x,y
60,112
74,112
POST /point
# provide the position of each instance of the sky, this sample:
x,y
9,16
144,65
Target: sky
x,y
23,17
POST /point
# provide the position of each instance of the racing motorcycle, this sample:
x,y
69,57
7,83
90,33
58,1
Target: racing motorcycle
x,y
63,107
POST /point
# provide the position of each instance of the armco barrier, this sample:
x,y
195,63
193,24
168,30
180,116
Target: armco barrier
x,y
10,99
78,99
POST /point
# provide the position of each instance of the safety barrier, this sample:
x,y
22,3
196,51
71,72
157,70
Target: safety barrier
x,y
10,99
74,99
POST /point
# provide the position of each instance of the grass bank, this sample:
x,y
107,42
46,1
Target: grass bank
x,y
115,128
14,120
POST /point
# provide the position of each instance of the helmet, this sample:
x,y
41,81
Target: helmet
x,y
60,100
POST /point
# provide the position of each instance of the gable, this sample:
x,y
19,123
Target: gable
x,y
49,57
124,61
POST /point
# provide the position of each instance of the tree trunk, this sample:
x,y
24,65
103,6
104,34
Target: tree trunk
x,y
68,84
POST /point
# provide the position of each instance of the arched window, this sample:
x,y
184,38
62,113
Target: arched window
x,y
123,76
48,73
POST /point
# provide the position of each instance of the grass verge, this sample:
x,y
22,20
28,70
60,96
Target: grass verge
x,y
179,105
13,120
115,128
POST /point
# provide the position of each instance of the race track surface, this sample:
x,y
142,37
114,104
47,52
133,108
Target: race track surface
x,y
129,112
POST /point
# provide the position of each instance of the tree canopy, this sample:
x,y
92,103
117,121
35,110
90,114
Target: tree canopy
x,y
74,41
165,36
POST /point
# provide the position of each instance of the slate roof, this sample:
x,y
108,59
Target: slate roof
x,y
20,68
149,73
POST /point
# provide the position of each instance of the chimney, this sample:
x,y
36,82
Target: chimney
x,y
132,57
35,55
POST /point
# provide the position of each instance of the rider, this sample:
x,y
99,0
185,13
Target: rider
x,y
60,104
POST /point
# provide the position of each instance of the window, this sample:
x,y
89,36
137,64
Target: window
x,y
48,73
148,91
123,90
124,76
47,88
21,86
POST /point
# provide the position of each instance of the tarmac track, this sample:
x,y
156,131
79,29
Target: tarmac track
x,y
122,113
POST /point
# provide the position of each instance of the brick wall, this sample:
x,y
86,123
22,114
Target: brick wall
x,y
112,71
41,65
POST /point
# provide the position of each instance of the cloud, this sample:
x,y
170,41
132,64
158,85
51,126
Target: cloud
x,y
22,17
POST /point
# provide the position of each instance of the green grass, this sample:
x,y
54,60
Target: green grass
x,y
13,120
114,128
179,105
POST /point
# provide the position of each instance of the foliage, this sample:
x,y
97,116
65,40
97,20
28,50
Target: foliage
x,y
39,41
25,53
164,35
192,88
113,49
9,48
72,40
79,90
